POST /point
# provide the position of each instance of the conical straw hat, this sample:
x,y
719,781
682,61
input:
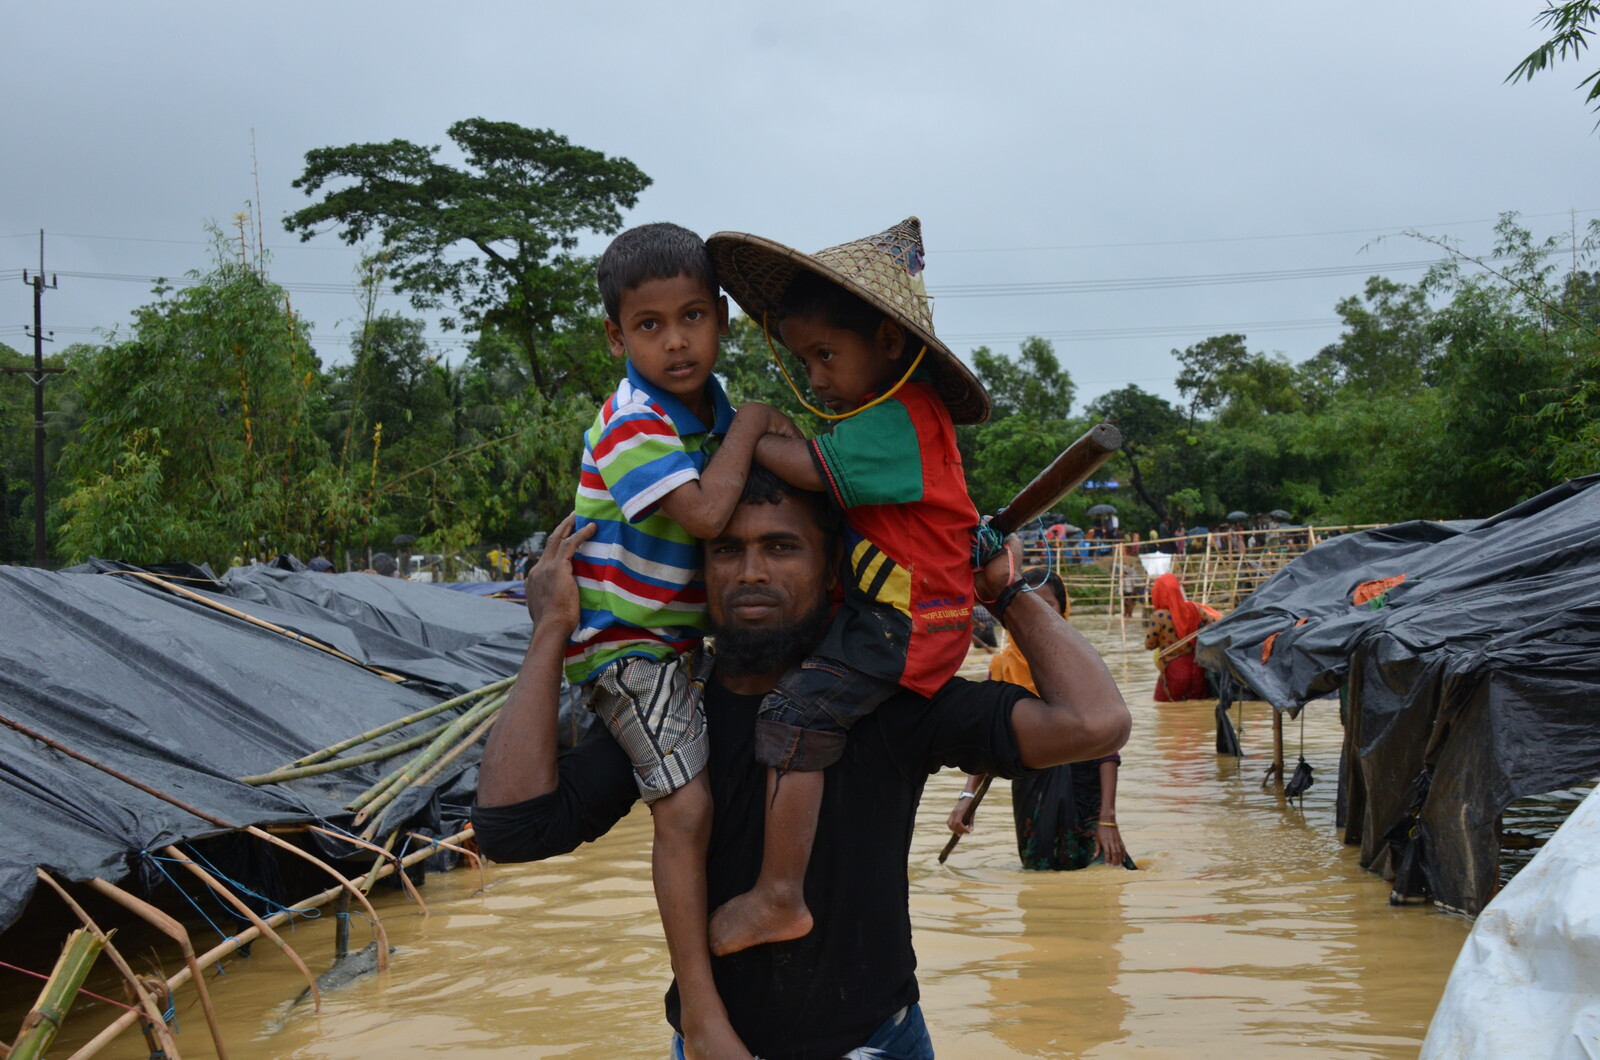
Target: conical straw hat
x,y
884,270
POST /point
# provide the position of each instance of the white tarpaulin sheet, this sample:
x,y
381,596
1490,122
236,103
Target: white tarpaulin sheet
x,y
1527,982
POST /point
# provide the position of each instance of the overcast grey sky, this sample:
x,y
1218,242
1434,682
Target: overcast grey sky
x,y
1040,143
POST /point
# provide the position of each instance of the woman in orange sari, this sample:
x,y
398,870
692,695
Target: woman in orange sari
x,y
1171,634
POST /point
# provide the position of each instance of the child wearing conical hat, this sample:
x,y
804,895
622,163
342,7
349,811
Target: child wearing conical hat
x,y
857,317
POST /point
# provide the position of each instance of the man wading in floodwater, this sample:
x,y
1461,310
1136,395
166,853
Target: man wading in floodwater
x,y
850,983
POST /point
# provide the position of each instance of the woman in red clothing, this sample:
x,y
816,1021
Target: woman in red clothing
x,y
1172,630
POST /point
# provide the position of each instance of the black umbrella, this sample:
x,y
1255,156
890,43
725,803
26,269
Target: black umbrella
x,y
1279,513
1101,509
1237,516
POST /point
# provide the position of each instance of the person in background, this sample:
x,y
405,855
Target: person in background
x,y
1065,816
384,565
1170,635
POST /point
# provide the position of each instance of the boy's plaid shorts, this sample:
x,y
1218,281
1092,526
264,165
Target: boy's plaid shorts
x,y
655,709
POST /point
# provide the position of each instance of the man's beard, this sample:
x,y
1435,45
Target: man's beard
x,y
767,649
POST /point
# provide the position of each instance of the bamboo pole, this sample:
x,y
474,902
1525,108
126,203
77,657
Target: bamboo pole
x,y
250,915
400,723
42,1022
233,612
377,754
405,881
388,792
456,752
177,933
249,934
157,1022
377,925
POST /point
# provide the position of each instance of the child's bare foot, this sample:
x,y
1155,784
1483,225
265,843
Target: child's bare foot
x,y
754,918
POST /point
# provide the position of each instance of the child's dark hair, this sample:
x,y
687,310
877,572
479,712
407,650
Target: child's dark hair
x,y
810,296
657,251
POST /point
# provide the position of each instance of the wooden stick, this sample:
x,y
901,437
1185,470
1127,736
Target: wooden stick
x,y
146,1002
405,881
377,925
377,754
250,915
175,931
123,1022
1066,473
233,612
42,1022
455,752
966,818
400,723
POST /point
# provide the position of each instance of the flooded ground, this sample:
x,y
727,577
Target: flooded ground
x,y
1249,929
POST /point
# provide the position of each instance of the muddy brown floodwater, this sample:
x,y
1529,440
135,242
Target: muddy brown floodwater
x,y
1247,931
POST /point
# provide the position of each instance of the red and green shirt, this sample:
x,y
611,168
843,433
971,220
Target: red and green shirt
x,y
896,471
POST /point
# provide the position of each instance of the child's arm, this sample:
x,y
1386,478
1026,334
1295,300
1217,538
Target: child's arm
x,y
704,506
790,459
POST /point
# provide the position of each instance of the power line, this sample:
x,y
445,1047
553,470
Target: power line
x,y
1251,239
1150,283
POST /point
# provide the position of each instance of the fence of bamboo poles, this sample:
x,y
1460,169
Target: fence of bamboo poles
x,y
1219,569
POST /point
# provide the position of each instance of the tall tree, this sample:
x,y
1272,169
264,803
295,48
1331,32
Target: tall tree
x,y
1032,384
1150,429
198,432
517,207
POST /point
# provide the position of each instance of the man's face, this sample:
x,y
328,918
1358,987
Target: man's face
x,y
769,579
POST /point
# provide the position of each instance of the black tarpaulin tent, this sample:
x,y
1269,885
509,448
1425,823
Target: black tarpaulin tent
x,y
186,699
1472,676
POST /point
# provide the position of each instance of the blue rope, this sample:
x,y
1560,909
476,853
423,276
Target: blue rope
x,y
275,907
190,899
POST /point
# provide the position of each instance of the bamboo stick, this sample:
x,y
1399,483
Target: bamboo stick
x,y
405,881
175,931
455,752
391,790
377,925
249,934
168,1041
377,754
400,723
234,612
42,1022
250,915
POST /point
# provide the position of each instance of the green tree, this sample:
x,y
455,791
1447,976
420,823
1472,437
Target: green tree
x,y
518,207
1386,346
1153,436
198,432
1032,384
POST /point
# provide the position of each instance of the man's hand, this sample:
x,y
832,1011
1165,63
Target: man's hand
x,y
954,822
551,586
1000,571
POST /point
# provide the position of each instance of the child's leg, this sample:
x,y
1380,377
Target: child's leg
x,y
800,732
682,822
775,910
655,712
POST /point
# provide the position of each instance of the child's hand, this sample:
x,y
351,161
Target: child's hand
x,y
781,425
551,586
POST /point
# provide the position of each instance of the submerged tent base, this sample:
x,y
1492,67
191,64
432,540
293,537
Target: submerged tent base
x,y
264,926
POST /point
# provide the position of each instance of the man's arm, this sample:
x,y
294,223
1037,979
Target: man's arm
x,y
519,761
704,506
532,802
1080,714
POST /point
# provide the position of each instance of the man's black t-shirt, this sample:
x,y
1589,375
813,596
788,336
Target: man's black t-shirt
x,y
822,995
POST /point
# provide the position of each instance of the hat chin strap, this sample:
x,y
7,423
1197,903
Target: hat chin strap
x,y
880,399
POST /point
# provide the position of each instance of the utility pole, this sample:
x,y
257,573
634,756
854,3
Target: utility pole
x,y
37,377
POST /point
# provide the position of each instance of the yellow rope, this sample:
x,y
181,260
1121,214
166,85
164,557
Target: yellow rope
x,y
880,399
